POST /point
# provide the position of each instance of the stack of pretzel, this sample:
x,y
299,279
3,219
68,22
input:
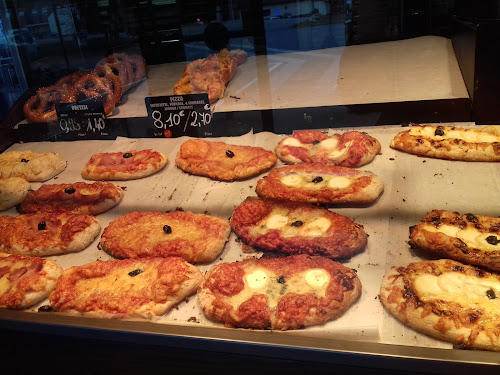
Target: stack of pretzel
x,y
112,77
211,74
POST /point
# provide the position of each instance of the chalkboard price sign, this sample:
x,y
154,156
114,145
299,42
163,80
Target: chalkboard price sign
x,y
82,120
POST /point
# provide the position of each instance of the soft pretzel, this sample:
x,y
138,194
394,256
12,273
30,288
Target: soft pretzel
x,y
111,72
138,67
41,106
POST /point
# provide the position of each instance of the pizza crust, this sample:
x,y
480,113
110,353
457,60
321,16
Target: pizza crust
x,y
30,165
13,190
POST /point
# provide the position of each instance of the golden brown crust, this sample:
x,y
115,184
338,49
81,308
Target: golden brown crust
x,y
222,161
126,288
13,190
450,142
444,313
297,228
320,183
476,241
32,166
194,237
126,165
291,292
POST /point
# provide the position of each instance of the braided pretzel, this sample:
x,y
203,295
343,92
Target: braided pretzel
x,y
41,106
93,87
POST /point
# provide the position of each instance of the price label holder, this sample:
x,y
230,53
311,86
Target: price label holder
x,y
176,116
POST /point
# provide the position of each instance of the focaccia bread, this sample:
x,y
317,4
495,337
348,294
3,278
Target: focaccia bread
x,y
194,237
127,165
47,234
320,183
13,190
221,161
450,142
278,293
128,288
76,198
469,238
25,281
350,149
297,228
31,166
447,300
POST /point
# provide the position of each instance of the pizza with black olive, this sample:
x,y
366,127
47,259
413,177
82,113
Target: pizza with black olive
x,y
31,166
447,300
145,288
124,165
278,293
450,142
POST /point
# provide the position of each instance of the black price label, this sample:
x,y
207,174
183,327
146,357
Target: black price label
x,y
178,115
82,120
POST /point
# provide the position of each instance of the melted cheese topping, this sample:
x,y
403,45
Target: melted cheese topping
x,y
5,283
306,181
468,135
338,153
470,236
291,141
311,225
329,143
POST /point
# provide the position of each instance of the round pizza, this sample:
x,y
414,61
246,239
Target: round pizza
x,y
25,280
450,142
13,190
469,238
127,165
297,228
222,161
320,183
128,288
31,166
447,300
278,293
76,198
350,149
194,237
47,234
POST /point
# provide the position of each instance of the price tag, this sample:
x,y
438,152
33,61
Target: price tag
x,y
82,121
178,115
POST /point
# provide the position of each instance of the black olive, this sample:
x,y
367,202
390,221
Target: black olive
x,y
24,160
297,223
315,142
127,155
317,179
471,218
439,131
69,190
135,272
45,308
491,294
229,154
42,225
281,279
492,240
167,229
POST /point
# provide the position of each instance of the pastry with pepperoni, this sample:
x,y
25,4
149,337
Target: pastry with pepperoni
x,y
222,161
320,183
131,288
447,300
25,281
297,228
75,198
350,149
47,234
13,190
278,293
469,238
31,166
450,142
194,237
127,165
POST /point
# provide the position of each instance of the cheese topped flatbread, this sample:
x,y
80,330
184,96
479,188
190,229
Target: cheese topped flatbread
x,y
30,165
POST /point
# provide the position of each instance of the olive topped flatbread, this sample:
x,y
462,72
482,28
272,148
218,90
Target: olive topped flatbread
x,y
31,166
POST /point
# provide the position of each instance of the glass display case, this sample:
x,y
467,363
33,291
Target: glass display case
x,y
334,66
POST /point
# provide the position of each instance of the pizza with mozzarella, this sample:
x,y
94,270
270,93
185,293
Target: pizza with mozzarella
x,y
278,293
447,300
124,165
194,237
450,142
145,288
47,234
25,281
320,183
297,228
13,190
76,198
31,166
469,238
350,149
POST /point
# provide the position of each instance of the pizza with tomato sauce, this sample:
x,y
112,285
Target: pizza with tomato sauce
x,y
75,198
222,161
47,234
350,149
25,280
145,288
127,165
194,237
278,293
